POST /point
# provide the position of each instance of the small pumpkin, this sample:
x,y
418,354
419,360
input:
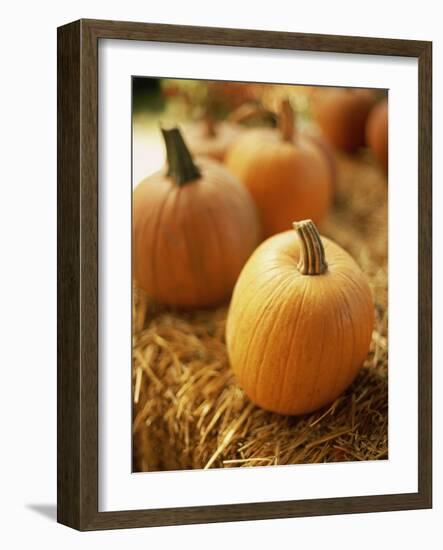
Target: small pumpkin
x,y
286,173
207,138
194,227
377,132
212,138
300,322
341,114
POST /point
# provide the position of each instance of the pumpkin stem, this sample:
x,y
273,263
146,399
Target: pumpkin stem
x,y
286,121
209,125
181,167
249,111
312,256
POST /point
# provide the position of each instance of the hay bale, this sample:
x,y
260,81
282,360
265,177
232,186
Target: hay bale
x,y
188,410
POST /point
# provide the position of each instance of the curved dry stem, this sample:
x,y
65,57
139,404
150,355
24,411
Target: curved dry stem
x,y
312,253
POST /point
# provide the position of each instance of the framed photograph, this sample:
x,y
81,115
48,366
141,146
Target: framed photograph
x,y
244,274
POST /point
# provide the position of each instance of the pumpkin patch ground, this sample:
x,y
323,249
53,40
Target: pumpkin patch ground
x,y
192,406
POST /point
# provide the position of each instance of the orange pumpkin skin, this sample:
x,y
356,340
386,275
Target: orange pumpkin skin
x,y
341,114
296,342
287,180
190,241
377,133
215,144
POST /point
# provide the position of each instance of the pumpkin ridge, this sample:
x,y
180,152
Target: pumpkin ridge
x,y
269,304
347,310
356,329
264,284
257,292
357,287
318,370
175,209
360,292
185,225
231,336
231,339
138,237
265,309
157,238
338,316
213,222
297,318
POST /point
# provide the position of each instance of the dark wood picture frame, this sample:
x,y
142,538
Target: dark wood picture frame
x,y
77,457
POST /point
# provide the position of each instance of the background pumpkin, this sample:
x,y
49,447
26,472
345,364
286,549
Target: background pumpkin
x,y
341,114
286,173
194,226
300,322
377,132
212,138
207,138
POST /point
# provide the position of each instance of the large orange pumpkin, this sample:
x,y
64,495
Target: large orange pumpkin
x,y
194,227
377,132
300,322
341,114
286,173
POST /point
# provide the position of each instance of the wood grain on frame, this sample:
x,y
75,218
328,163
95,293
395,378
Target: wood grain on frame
x,y
77,316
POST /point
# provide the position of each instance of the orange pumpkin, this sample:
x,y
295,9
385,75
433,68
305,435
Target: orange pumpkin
x,y
377,132
206,138
211,138
286,173
194,227
341,114
300,322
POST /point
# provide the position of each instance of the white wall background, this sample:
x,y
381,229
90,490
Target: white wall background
x,y
28,270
